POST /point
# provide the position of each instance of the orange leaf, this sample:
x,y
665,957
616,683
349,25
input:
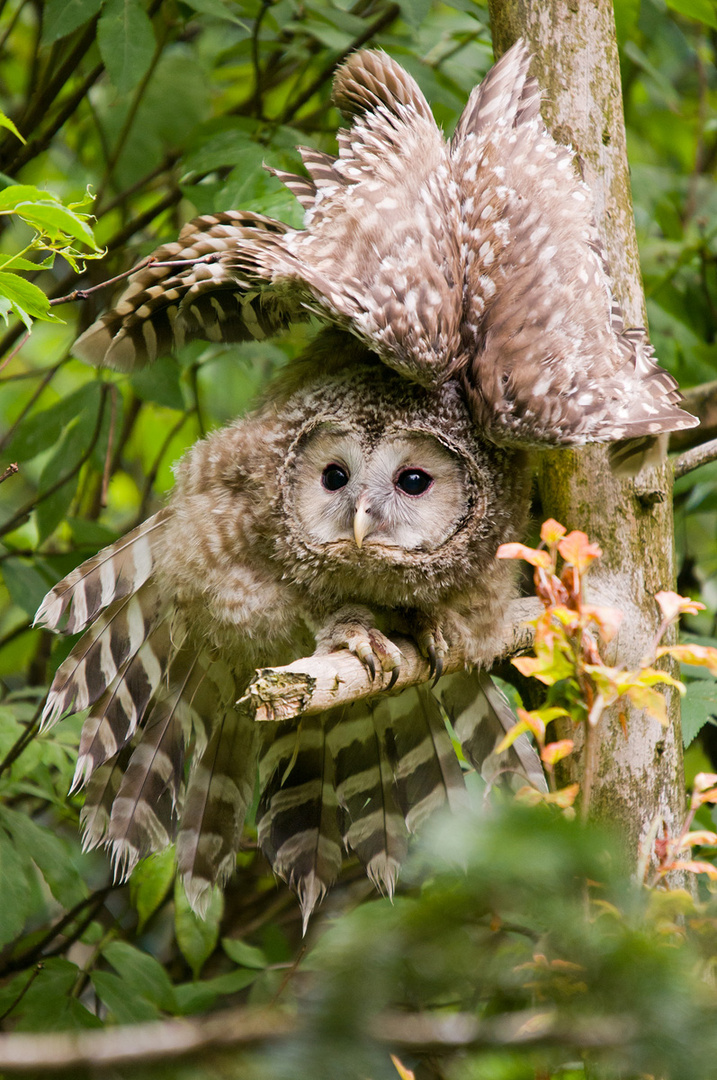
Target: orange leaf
x,y
403,1072
672,604
577,550
699,655
521,551
556,751
608,619
703,837
694,866
551,531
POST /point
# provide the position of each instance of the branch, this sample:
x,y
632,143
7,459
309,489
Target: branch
x,y
247,1026
692,459
316,683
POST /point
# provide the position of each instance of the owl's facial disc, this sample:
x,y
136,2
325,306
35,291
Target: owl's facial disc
x,y
407,491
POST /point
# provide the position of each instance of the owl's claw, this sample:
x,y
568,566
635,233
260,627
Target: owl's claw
x,y
353,631
432,644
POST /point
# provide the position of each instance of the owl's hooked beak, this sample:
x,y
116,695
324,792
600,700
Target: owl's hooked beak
x,y
363,522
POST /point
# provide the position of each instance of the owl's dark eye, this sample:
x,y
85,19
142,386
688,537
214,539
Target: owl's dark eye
x,y
414,481
334,477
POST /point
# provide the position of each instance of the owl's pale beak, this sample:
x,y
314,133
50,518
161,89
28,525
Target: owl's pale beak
x,y
363,522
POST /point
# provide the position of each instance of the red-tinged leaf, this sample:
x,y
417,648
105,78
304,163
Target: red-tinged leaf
x,y
698,655
533,722
650,700
608,619
652,676
556,751
510,737
551,531
403,1072
692,866
530,796
703,837
704,780
521,551
566,616
565,797
699,798
672,605
577,550
526,665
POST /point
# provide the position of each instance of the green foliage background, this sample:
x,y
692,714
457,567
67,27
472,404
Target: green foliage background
x,y
166,110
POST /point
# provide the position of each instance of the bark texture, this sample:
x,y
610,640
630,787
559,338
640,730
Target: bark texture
x,y
638,776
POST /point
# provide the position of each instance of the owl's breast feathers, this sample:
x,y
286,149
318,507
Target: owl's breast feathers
x,y
177,614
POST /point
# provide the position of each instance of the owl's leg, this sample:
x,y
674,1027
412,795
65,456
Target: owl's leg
x,y
426,632
353,628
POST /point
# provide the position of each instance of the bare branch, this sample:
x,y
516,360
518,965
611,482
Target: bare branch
x,y
692,459
316,683
82,294
168,1040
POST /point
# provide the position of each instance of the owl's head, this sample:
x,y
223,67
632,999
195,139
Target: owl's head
x,y
399,491
391,480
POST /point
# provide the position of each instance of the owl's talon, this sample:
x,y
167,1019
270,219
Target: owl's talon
x,y
432,660
438,668
365,655
394,677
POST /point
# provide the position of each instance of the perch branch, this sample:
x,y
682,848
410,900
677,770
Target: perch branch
x,y
701,401
692,459
316,683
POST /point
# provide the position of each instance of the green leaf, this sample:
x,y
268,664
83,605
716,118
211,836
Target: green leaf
x,y
57,221
51,855
6,122
14,890
18,262
66,456
61,17
48,1005
126,1008
150,882
219,8
141,973
701,10
415,11
198,996
159,382
197,938
40,430
25,583
699,705
11,196
126,41
28,302
245,955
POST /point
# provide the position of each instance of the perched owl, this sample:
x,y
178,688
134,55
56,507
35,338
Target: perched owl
x,y
475,260
352,504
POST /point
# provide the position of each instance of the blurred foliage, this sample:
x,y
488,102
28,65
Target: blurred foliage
x,y
165,109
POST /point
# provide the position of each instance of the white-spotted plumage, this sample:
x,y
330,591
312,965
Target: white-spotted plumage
x,y
477,259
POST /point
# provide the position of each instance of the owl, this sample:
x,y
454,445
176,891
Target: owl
x,y
354,503
475,260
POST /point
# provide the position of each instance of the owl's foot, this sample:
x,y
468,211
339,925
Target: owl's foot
x,y
353,629
427,634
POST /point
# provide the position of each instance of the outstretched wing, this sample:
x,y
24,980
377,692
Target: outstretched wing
x,y
548,358
193,288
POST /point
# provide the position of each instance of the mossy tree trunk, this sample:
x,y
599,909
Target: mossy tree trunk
x,y
638,775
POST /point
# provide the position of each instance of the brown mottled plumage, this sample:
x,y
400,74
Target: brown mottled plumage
x,y
313,521
476,259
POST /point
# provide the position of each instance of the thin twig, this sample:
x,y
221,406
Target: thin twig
x,y
10,471
11,355
82,294
110,443
692,459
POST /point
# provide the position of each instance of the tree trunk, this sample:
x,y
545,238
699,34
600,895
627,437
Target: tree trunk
x,y
639,776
